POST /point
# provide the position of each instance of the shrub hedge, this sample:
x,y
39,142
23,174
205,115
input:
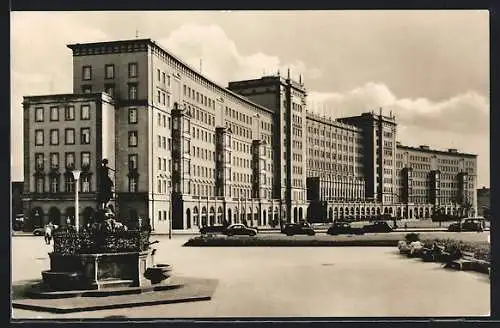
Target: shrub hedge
x,y
481,249
217,241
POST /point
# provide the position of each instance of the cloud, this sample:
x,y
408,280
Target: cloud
x,y
220,58
466,113
460,122
41,63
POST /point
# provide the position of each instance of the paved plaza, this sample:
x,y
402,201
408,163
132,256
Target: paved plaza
x,y
291,282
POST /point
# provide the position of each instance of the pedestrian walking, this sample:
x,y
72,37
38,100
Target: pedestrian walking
x,y
48,233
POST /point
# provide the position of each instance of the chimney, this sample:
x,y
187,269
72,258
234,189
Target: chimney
x,y
425,147
452,150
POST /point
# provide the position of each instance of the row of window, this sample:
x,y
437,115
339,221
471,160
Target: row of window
x,y
297,144
239,130
164,167
297,132
165,216
448,168
297,183
330,166
163,78
246,119
242,177
163,98
162,143
334,156
296,119
69,113
332,145
328,134
297,157
110,89
163,186
69,160
201,134
109,71
162,121
69,136
199,97
69,183
420,158
448,161
297,107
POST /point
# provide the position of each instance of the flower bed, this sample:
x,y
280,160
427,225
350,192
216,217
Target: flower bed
x,y
481,250
84,242
218,241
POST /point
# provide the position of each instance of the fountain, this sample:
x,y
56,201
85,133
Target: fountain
x,y
105,260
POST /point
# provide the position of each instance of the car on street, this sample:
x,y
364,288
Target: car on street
x,y
214,229
239,229
377,226
343,228
39,232
469,224
18,222
304,228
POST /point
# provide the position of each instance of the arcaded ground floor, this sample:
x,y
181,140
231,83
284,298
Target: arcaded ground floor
x,y
291,282
193,212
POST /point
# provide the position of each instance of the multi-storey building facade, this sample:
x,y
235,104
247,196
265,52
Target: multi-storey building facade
x,y
431,180
484,202
189,152
62,133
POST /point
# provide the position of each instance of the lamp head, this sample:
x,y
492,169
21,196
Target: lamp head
x,y
76,174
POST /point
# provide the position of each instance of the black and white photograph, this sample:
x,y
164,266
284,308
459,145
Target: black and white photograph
x,y
250,164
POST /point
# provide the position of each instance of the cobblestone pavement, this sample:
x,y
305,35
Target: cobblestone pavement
x,y
291,282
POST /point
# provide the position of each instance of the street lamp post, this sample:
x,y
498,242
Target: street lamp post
x,y
170,212
76,175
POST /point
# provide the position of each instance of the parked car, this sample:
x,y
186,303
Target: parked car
x,y
239,229
39,232
379,226
18,222
304,228
470,224
339,228
212,229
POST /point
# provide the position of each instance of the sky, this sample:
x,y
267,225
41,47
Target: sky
x,y
429,68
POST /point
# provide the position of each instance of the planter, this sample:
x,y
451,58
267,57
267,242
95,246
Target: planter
x,y
158,273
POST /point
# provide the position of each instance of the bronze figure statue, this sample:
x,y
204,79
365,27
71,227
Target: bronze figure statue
x,y
105,187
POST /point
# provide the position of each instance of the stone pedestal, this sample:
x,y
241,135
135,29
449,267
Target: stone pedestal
x,y
98,271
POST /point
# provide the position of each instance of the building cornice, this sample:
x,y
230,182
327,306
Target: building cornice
x,y
331,122
142,45
69,97
435,151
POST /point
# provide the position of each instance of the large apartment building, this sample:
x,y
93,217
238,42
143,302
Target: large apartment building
x,y
183,148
